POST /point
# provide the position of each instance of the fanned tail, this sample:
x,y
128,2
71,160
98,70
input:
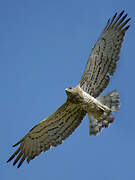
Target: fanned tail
x,y
112,101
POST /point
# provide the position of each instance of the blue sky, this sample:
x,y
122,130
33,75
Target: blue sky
x,y
44,49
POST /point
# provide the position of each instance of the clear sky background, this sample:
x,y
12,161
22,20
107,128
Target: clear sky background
x,y
44,47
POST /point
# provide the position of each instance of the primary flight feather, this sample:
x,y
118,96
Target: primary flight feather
x,y
82,99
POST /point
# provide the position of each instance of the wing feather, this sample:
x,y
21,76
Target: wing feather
x,y
49,132
102,60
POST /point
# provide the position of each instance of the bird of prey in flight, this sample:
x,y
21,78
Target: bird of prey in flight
x,y
82,99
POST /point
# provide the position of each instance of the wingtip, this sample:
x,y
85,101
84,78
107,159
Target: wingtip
x,y
125,16
125,29
18,166
8,160
119,21
17,143
122,12
13,155
14,163
115,14
114,17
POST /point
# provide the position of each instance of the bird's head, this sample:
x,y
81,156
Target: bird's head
x,y
70,92
74,94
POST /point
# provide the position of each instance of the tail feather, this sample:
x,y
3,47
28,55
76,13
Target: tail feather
x,y
111,100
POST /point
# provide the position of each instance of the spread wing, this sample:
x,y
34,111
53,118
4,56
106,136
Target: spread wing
x,y
102,60
49,132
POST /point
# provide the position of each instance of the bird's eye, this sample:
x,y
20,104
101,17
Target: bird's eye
x,y
69,88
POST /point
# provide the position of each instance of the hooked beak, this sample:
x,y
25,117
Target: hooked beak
x,y
68,89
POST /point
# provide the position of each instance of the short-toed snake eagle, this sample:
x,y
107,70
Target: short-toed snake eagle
x,y
82,99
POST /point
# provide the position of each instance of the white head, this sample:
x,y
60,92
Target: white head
x,y
74,95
